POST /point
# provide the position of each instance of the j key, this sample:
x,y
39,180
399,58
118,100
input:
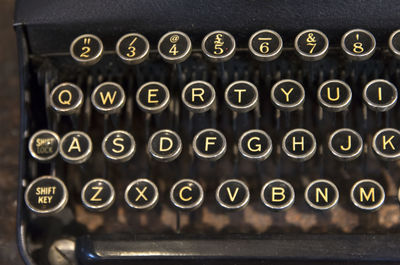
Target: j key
x,y
108,98
87,49
209,144
175,47
265,45
334,95
198,96
277,194
380,95
345,144
255,145
218,46
141,194
98,195
367,194
165,145
311,45
43,145
46,195
118,146
76,147
358,44
66,98
133,48
241,96
288,95
386,144
187,194
321,194
232,194
394,43
153,97
299,145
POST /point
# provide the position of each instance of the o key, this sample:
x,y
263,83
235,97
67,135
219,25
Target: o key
x,y
209,144
233,194
98,195
108,98
76,147
175,47
358,44
265,45
153,97
321,194
198,96
345,144
118,146
299,145
367,194
311,45
141,194
133,48
255,145
386,144
86,49
288,95
66,98
380,95
241,96
334,95
218,46
187,194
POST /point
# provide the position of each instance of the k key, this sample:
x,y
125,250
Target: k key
x,y
386,144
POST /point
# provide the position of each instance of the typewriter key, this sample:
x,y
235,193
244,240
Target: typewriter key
x,y
209,144
265,45
241,96
133,48
233,194
165,145
153,97
311,45
108,98
277,194
380,95
288,95
334,95
46,195
66,98
86,49
218,46
98,195
76,147
386,144
198,96
358,44
321,194
394,43
255,145
118,146
187,194
299,145
345,144
175,47
367,194
43,145
141,194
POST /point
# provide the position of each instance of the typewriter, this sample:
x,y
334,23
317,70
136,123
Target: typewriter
x,y
209,132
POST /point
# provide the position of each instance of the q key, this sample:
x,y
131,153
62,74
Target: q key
x,y
66,98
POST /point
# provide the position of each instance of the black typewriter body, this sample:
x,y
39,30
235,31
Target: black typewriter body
x,y
359,223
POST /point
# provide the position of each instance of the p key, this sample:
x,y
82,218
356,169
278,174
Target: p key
x,y
98,195
153,97
380,95
345,144
66,98
386,144
108,98
299,145
198,96
288,95
233,194
141,194
334,95
241,96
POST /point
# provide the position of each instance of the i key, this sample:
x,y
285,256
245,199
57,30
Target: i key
x,y
311,45
299,145
118,146
187,194
265,45
288,95
233,194
66,98
345,144
198,96
133,48
43,145
321,194
255,145
241,96
334,95
358,44
209,144
141,194
76,147
165,145
108,98
175,47
153,97
218,46
367,194
98,195
386,144
86,49
380,95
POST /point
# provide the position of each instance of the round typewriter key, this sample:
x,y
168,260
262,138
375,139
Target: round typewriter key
x,y
153,97
218,46
141,194
334,95
358,44
241,96
345,144
233,194
46,195
288,95
255,145
76,147
198,96
118,146
133,48
265,45
311,45
209,144
367,194
98,195
299,145
386,144
165,145
86,49
394,43
187,194
277,194
380,95
43,145
108,97
321,194
66,98
175,47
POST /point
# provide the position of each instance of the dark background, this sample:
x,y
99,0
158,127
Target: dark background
x,y
9,131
